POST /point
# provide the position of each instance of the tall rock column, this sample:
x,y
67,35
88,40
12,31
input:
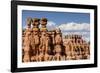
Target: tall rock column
x,y
44,41
26,57
35,37
58,45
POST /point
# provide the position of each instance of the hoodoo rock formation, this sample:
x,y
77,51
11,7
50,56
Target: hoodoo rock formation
x,y
39,44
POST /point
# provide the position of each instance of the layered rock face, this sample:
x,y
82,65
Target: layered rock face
x,y
39,44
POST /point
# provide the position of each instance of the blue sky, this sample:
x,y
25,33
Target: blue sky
x,y
57,17
68,22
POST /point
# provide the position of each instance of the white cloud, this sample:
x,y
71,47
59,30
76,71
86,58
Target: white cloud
x,y
25,26
74,26
51,25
